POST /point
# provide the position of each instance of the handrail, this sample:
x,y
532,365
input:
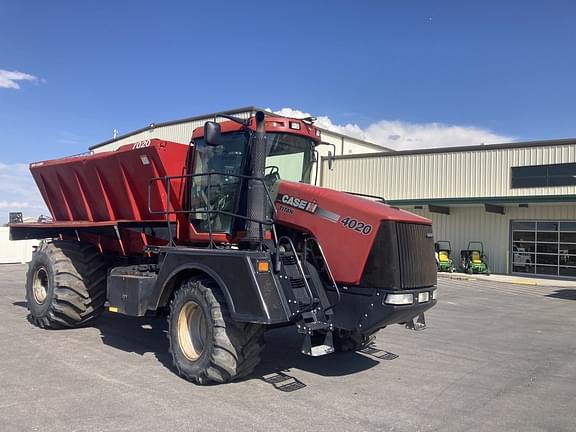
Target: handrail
x,y
186,176
167,181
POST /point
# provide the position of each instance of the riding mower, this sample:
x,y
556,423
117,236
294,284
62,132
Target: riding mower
x,y
443,260
473,259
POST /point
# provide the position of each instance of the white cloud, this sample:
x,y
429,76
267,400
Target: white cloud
x,y
18,192
399,135
9,79
13,204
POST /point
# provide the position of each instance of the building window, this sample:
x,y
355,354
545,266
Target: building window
x,y
544,248
544,175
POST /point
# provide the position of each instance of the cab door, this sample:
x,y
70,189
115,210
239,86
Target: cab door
x,y
215,187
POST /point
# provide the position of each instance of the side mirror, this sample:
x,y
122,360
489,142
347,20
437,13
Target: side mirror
x,y
330,161
212,134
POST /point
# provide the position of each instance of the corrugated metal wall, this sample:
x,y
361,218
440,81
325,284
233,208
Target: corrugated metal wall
x,y
463,174
465,224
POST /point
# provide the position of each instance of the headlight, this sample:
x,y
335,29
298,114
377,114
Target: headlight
x,y
423,297
399,299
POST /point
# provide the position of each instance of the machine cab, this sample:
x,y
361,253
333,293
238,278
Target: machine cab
x,y
219,170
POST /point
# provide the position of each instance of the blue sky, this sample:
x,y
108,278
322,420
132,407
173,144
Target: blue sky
x,y
496,70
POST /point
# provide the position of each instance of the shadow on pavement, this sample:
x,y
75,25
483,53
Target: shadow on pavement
x,y
136,335
283,382
281,354
564,294
21,304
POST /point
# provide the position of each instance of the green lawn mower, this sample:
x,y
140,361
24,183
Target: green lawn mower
x,y
473,259
443,260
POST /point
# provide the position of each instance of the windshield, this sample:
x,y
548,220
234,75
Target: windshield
x,y
290,156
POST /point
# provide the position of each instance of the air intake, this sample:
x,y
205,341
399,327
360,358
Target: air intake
x,y
402,257
416,255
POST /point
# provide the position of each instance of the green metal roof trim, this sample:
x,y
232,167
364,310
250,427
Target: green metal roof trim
x,y
487,200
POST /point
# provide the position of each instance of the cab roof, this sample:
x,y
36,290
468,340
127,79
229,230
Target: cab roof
x,y
273,124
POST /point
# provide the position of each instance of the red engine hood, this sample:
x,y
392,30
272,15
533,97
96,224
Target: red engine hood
x,y
345,225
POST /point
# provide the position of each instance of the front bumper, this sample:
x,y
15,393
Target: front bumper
x,y
364,309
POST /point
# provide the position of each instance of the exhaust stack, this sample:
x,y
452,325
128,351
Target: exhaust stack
x,y
257,205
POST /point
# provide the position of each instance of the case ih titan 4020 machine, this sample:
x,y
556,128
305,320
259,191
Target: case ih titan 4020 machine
x,y
225,237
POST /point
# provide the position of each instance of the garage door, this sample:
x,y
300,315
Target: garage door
x,y
544,247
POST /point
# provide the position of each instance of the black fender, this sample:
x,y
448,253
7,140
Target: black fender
x,y
250,296
168,285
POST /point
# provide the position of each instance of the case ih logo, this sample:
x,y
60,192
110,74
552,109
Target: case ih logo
x,y
297,203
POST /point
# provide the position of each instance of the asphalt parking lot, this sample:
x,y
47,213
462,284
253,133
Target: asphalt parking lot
x,y
495,357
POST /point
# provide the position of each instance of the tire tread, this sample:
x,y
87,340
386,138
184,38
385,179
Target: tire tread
x,y
236,346
79,284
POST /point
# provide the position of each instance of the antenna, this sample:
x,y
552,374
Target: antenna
x,y
114,133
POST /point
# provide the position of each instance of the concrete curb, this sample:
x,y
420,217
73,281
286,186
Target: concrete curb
x,y
456,276
510,280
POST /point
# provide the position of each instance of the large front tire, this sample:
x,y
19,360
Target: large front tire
x,y
205,343
65,284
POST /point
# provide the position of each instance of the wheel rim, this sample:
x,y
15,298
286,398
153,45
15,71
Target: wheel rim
x,y
40,285
192,330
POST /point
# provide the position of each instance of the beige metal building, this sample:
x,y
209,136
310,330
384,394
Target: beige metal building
x,y
518,199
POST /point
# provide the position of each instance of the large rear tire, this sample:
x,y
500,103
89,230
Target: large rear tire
x,y
65,284
205,343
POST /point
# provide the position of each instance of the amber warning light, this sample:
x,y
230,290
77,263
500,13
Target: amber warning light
x,y
263,266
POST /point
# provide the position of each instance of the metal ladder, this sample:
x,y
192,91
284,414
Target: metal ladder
x,y
309,303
